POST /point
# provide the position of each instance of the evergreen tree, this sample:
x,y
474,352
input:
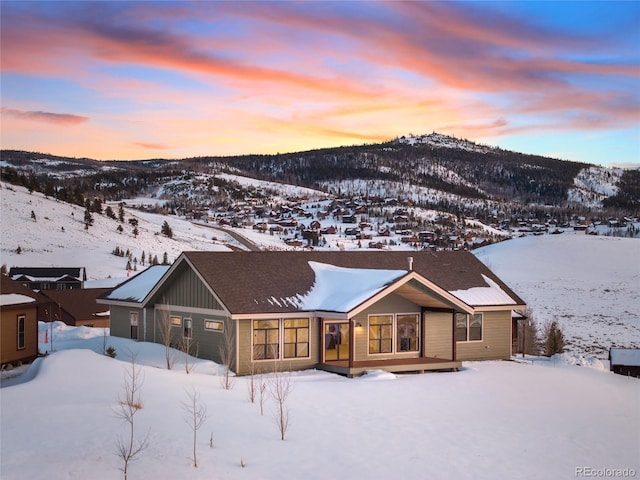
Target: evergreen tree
x,y
142,258
109,212
33,216
166,230
88,219
121,213
135,232
119,229
165,259
553,339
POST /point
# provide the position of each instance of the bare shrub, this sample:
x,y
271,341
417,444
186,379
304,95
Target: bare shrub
x,y
164,331
195,418
129,405
280,386
226,356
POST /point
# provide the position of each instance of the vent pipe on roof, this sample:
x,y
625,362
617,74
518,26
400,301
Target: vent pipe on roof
x,y
410,260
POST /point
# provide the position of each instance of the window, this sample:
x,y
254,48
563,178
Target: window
x,y
281,338
187,328
213,325
468,327
21,327
380,334
133,323
296,338
176,321
265,339
407,327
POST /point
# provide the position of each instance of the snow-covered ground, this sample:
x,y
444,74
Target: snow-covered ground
x,y
490,420
590,284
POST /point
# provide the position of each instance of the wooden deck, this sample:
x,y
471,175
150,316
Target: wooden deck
x,y
396,365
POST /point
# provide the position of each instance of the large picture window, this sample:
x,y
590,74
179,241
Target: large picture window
x,y
468,327
296,338
380,334
265,339
21,328
282,338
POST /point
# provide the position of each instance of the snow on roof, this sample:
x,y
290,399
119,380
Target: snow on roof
x,y
339,289
625,356
492,294
14,299
136,289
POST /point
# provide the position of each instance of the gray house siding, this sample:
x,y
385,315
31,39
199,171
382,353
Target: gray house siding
x,y
185,296
120,321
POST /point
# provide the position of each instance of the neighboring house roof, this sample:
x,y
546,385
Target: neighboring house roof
x,y
50,274
136,289
80,303
285,282
15,295
629,357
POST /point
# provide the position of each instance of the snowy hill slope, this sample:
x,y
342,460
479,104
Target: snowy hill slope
x,y
57,237
590,284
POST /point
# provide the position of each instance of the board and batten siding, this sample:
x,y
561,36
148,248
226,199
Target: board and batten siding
x,y
186,288
246,365
496,339
438,335
389,305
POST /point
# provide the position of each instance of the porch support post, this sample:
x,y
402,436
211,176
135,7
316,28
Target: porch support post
x,y
453,336
352,341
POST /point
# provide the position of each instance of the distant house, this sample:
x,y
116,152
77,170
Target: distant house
x,y
77,307
625,361
18,322
49,278
344,312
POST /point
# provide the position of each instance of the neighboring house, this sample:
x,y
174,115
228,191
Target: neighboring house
x,y
77,307
344,312
18,322
625,361
52,278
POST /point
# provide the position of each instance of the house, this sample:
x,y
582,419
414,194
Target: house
x,y
344,312
49,278
18,322
77,307
625,361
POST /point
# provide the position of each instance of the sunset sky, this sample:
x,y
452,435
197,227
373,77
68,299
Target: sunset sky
x,y
135,80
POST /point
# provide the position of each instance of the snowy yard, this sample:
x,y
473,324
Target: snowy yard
x,y
490,420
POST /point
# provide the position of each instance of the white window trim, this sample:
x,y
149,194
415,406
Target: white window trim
x,y
468,318
218,330
394,335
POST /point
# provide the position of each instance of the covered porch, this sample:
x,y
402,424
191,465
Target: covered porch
x,y
396,365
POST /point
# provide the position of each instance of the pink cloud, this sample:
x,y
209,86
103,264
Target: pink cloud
x,y
49,117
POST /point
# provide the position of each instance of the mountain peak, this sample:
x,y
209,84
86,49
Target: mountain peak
x,y
439,140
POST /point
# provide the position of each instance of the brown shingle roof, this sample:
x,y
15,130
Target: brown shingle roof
x,y
8,286
80,303
246,282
